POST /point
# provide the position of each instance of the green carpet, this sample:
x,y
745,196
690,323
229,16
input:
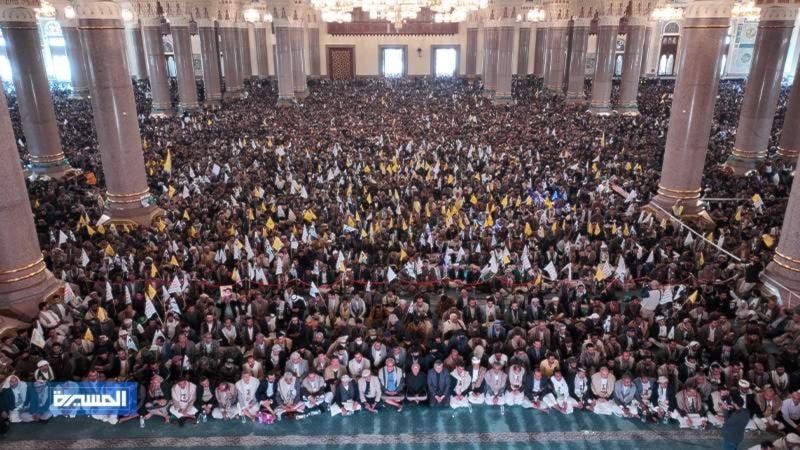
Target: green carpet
x,y
415,427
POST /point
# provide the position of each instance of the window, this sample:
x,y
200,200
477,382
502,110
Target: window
x,y
446,62
5,68
393,62
172,69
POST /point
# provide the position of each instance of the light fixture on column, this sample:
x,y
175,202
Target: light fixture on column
x,y
45,10
533,15
251,15
127,15
69,12
667,13
747,11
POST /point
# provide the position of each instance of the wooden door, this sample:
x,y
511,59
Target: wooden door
x,y
341,63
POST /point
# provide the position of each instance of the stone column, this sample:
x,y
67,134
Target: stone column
x,y
491,39
632,66
313,52
230,41
762,90
789,147
260,32
283,67
134,41
704,29
24,279
245,62
782,275
182,43
24,49
156,67
577,65
540,52
505,52
523,51
648,33
77,66
298,63
209,50
556,57
472,53
608,28
128,199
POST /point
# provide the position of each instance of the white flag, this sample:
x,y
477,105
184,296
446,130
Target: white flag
x,y
621,271
175,287
390,275
109,294
149,308
128,300
313,291
550,268
84,258
37,337
62,238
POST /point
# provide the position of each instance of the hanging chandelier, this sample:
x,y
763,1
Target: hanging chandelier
x,y
397,11
667,13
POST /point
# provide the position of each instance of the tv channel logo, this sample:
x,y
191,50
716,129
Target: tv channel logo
x,y
93,398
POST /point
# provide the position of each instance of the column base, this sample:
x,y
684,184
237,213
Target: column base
x,y
554,90
502,99
575,98
79,94
232,95
188,107
213,102
742,163
694,212
601,110
788,157
160,111
56,169
629,110
20,299
140,216
781,280
487,93
285,101
301,94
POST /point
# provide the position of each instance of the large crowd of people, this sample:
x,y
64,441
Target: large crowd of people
x,y
392,243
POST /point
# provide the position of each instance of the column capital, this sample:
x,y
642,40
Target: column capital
x,y
91,9
205,23
68,23
178,21
708,9
637,21
17,14
778,12
608,21
226,24
582,22
152,21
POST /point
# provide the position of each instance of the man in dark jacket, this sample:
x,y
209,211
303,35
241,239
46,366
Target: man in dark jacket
x,y
735,423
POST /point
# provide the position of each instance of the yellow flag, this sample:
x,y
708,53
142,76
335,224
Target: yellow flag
x,y
504,201
528,230
757,200
692,298
625,231
596,229
554,227
363,233
90,230
701,260
489,222
614,228
150,292
369,198
403,254
192,231
451,180
367,169
231,231
599,275
473,200
110,251
101,229
153,271
738,216
350,222
186,214
270,224
358,217
250,215
174,261
529,201
404,225
628,166
171,191
161,225
309,216
277,244
677,210
88,336
168,163
769,241
235,275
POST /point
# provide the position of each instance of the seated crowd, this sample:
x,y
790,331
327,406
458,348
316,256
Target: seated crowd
x,y
398,244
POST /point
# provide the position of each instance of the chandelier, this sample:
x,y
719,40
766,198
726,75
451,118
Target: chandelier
x,y
397,11
533,15
667,13
45,10
746,11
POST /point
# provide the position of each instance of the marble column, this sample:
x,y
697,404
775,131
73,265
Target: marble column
x,y
298,63
128,199
608,28
789,146
648,33
556,57
24,49
505,52
182,43
260,33
156,67
472,53
283,67
243,49
24,279
523,50
209,51
782,275
230,40
314,69
134,41
577,64
632,66
762,89
540,52
704,30
491,38
77,66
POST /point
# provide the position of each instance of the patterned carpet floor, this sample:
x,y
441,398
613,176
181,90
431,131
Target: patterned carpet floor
x,y
414,428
